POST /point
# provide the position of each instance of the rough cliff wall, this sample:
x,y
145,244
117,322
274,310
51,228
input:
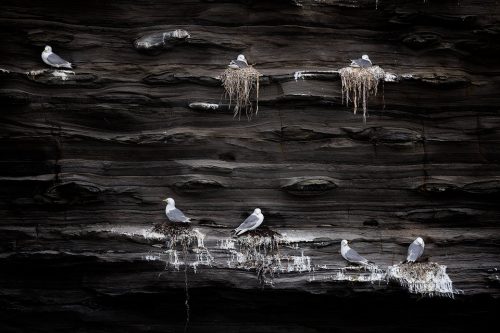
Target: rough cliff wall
x,y
88,156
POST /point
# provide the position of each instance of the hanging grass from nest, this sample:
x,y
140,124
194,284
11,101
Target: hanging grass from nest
x,y
423,278
178,234
239,85
358,84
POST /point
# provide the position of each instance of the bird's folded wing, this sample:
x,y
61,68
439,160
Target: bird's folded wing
x,y
354,256
250,222
56,60
414,251
176,215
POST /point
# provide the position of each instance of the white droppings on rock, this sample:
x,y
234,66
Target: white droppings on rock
x,y
36,72
299,263
146,233
62,74
173,259
369,273
203,106
390,77
307,74
297,75
225,244
151,257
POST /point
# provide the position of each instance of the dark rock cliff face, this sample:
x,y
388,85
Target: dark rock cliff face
x,y
88,156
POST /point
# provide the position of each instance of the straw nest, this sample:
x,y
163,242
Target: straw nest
x,y
422,278
178,234
240,85
358,84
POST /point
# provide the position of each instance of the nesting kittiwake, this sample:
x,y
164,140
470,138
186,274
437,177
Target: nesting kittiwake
x,y
240,62
415,250
53,59
363,62
251,222
173,214
351,255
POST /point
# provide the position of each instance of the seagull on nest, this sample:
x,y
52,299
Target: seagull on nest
x,y
174,214
53,59
251,222
240,62
363,62
351,255
415,250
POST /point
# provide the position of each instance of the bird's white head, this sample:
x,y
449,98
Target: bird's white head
x,y
170,201
256,211
343,243
48,49
420,241
241,57
365,57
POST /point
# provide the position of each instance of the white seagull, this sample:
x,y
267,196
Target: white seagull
x,y
173,214
53,59
240,62
251,222
415,250
363,62
351,255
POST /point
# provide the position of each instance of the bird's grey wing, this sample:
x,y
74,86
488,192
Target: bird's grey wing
x,y
233,65
249,222
414,252
176,215
354,256
54,59
241,64
364,63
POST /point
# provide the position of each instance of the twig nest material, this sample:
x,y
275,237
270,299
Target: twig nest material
x,y
428,279
265,239
239,85
358,84
178,234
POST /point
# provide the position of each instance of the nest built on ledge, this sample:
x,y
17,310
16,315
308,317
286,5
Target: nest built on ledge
x,y
358,84
240,85
423,278
178,234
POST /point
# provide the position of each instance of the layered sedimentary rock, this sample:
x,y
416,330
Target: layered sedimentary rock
x,y
88,155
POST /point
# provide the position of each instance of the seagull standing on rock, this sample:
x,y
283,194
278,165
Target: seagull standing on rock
x,y
364,62
351,255
240,62
252,222
174,214
415,250
53,59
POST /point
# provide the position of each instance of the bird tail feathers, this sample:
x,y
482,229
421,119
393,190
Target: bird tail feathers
x,y
238,232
